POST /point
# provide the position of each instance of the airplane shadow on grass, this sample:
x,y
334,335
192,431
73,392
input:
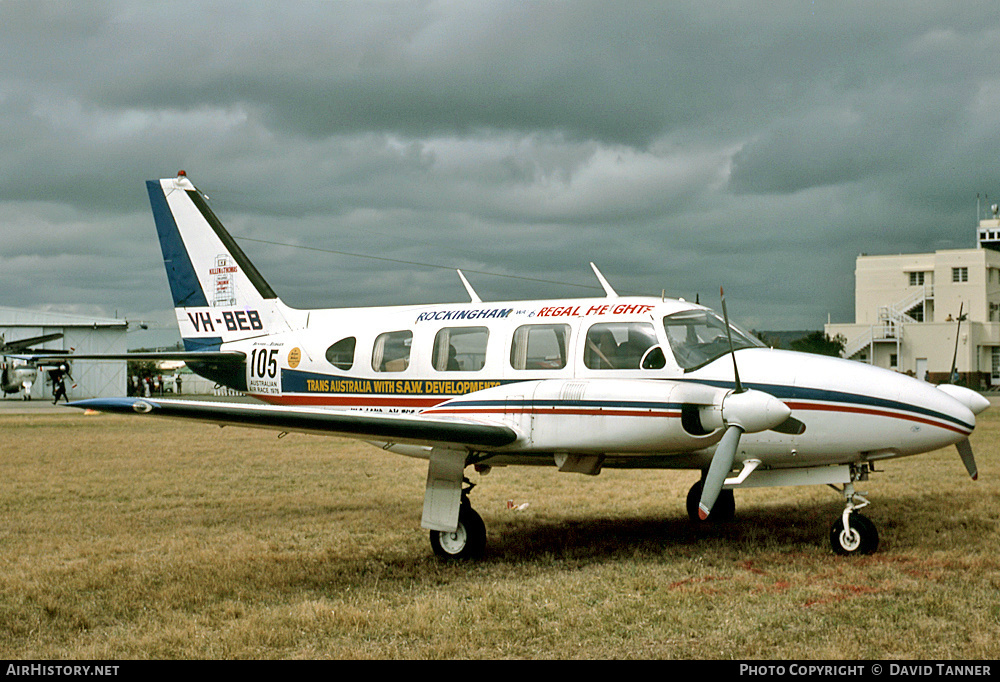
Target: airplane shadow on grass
x,y
906,523
610,537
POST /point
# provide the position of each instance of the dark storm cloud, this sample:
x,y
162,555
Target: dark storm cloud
x,y
679,145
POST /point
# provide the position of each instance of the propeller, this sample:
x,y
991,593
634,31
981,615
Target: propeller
x,y
968,459
976,404
744,410
964,446
729,335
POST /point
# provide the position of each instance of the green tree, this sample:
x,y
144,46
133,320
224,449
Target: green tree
x,y
820,344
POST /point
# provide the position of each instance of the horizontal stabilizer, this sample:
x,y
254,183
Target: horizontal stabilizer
x,y
384,428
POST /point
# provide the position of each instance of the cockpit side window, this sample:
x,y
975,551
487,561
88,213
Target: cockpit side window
x,y
341,354
618,345
697,337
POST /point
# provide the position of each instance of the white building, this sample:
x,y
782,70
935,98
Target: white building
x,y
906,310
84,335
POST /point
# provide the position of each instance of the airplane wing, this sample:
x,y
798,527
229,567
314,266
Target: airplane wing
x,y
414,429
22,345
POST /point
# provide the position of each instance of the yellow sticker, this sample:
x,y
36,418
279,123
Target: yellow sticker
x,y
294,356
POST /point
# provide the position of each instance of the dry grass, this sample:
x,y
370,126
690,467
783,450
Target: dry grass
x,y
134,538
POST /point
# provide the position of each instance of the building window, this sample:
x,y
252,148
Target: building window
x,y
960,274
916,279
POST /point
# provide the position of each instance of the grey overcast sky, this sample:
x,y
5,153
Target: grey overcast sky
x,y
679,145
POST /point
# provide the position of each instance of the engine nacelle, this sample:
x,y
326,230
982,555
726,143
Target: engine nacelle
x,y
599,416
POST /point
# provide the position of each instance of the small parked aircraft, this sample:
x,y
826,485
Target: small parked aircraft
x,y
17,375
579,384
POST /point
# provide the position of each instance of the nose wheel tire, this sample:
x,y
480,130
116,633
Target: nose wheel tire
x,y
860,537
467,542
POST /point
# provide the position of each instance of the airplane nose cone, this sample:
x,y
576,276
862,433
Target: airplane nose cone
x,y
972,400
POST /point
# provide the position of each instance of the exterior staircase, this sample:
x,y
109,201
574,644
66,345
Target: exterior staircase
x,y
891,319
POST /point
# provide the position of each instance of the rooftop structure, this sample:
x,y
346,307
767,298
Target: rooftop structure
x,y
907,310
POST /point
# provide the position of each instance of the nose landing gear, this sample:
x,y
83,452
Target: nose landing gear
x,y
854,533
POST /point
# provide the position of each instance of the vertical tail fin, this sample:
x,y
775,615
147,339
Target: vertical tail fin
x,y
219,295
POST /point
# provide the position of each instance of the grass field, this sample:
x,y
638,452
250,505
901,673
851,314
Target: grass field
x,y
131,538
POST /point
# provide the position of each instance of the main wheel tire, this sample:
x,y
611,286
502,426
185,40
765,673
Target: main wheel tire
x,y
723,510
861,537
467,542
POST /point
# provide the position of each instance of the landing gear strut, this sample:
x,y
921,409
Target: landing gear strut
x,y
854,533
468,541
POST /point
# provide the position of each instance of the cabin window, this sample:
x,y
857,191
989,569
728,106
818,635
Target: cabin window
x,y
460,349
540,346
341,354
618,345
392,351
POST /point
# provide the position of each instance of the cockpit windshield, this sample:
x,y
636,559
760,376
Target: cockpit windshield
x,y
699,336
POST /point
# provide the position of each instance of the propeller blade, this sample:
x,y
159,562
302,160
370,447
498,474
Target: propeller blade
x,y
722,464
790,425
729,334
968,459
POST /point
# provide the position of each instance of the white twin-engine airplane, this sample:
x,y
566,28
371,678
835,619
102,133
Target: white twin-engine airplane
x,y
581,384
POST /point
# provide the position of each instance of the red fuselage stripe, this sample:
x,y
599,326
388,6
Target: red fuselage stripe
x,y
819,407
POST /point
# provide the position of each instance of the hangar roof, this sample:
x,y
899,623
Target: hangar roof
x,y
21,317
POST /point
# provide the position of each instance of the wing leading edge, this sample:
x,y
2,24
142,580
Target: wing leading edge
x,y
413,429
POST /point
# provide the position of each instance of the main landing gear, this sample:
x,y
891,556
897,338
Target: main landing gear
x,y
852,534
468,541
723,511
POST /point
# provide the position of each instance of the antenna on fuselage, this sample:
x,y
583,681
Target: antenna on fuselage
x,y
468,287
604,283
